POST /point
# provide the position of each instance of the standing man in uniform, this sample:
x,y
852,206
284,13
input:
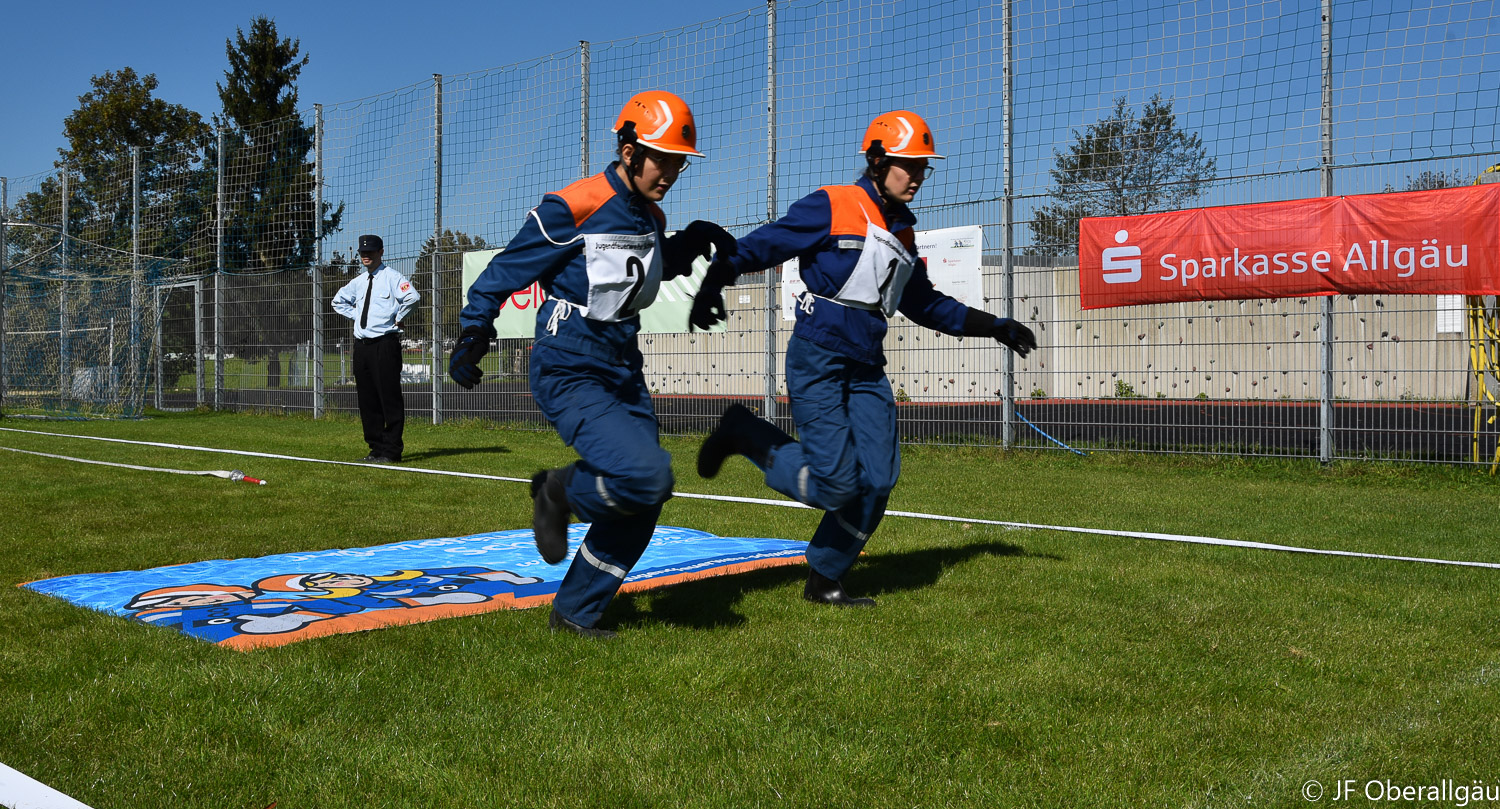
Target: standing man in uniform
x,y
599,251
377,302
859,261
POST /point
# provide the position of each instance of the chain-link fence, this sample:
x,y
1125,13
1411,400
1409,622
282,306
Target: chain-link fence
x,y
202,276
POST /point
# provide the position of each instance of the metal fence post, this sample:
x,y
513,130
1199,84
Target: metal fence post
x,y
1007,236
135,370
436,303
317,268
583,124
772,310
62,298
200,392
219,280
156,307
1325,347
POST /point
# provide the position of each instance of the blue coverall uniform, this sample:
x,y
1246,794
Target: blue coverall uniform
x,y
848,456
586,372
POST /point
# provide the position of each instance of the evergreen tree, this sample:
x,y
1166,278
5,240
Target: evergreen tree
x,y
273,223
1121,166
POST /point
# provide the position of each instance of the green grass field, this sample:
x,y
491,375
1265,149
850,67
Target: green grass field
x,y
1001,667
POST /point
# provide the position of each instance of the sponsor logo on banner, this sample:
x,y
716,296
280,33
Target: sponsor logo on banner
x,y
1443,242
1122,265
954,260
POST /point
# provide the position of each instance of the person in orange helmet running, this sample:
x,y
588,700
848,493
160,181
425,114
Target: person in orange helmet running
x,y
599,250
859,260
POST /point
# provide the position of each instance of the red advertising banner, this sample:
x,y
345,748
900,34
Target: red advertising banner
x,y
1443,242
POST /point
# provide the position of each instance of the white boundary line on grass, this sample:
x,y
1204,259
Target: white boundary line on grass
x,y
19,791
219,473
1184,538
249,454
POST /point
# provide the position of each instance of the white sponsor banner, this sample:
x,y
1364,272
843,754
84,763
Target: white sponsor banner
x,y
953,259
668,314
791,288
953,255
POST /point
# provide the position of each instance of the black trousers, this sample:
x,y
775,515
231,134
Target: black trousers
x,y
377,378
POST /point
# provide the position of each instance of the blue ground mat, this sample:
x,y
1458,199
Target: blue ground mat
x,y
275,600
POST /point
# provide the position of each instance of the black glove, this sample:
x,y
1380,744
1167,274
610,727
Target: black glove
x,y
1010,332
708,304
463,363
680,249
708,309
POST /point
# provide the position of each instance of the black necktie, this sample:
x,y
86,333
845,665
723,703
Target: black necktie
x,y
364,317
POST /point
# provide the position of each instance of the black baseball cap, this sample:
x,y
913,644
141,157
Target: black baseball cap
x,y
369,244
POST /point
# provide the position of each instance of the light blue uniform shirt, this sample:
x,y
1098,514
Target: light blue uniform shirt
x,y
393,297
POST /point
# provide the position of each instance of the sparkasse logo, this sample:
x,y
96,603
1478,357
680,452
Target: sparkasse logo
x,y
1121,265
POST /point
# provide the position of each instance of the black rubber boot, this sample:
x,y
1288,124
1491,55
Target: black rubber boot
x,y
549,513
560,624
822,590
740,432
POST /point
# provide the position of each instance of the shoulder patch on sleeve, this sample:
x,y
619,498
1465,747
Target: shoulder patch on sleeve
x,y
405,286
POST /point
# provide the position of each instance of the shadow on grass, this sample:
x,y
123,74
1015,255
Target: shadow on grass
x,y
710,603
444,452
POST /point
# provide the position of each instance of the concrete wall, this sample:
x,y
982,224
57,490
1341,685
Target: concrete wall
x,y
1386,348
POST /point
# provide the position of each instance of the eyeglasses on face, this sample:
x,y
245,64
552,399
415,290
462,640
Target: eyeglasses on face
x,y
921,170
669,162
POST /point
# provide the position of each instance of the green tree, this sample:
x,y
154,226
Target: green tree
x,y
118,113
1427,181
448,251
275,222
1122,165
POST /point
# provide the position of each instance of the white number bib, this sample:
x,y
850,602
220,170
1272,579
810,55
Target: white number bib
x,y
624,275
881,274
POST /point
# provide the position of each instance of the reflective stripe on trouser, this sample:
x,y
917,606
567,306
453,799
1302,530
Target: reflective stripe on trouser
x,y
622,476
603,411
847,457
610,549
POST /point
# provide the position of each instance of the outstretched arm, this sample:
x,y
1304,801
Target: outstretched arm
x,y
802,230
546,242
926,306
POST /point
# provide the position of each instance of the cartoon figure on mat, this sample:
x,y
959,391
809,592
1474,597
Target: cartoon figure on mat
x,y
859,260
598,247
403,588
215,612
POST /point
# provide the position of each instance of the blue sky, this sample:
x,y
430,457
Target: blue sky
x,y
1416,88
358,49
